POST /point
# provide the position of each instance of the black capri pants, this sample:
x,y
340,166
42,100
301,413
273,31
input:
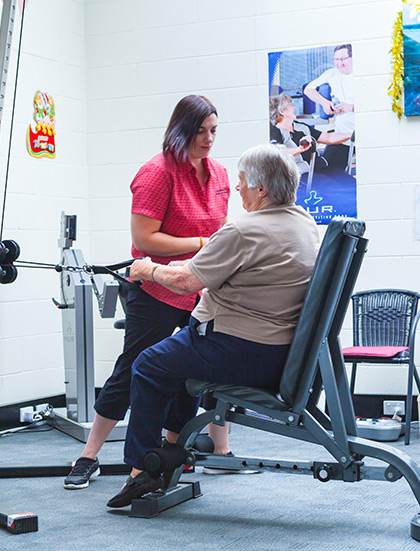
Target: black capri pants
x,y
147,322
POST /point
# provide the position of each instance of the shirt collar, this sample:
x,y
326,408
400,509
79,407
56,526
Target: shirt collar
x,y
185,166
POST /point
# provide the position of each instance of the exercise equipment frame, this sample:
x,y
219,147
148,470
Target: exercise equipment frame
x,y
315,362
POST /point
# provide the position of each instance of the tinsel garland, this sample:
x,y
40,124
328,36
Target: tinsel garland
x,y
395,89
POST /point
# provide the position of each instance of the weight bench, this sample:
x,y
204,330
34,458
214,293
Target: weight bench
x,y
314,362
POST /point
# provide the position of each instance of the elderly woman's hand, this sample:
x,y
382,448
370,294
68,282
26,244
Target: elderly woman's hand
x,y
141,269
178,262
177,278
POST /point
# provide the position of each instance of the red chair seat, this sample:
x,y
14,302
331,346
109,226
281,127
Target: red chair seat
x,y
374,351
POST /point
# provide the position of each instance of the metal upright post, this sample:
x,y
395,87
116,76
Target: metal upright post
x,y
77,319
77,322
6,33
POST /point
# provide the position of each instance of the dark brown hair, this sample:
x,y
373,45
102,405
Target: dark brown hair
x,y
188,115
345,47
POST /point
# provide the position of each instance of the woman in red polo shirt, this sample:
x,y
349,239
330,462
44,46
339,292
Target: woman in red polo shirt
x,y
180,199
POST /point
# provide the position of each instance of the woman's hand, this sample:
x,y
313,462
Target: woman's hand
x,y
305,143
142,269
176,277
177,262
147,237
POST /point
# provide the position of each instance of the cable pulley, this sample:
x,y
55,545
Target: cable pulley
x,y
10,251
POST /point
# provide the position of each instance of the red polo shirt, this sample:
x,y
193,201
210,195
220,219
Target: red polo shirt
x,y
167,189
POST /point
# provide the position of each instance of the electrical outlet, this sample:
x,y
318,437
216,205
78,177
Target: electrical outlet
x,y
392,407
26,414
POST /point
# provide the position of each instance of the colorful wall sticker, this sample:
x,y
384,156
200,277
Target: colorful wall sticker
x,y
41,140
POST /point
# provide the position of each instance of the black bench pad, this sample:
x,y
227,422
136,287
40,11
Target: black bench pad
x,y
259,396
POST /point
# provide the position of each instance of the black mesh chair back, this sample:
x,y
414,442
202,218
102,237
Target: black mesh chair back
x,y
383,317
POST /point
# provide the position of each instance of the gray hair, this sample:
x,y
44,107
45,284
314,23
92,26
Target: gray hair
x,y
277,104
271,167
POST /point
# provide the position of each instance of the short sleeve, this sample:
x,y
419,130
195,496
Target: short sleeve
x,y
314,132
151,189
324,78
222,257
275,135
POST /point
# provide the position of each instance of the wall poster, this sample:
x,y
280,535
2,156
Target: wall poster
x,y
411,44
311,106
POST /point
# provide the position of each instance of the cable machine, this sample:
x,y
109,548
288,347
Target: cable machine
x,y
77,281
76,307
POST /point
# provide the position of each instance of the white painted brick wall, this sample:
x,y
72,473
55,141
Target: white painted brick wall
x,y
53,61
116,69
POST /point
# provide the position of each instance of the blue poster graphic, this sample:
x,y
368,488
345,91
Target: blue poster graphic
x,y
311,109
411,44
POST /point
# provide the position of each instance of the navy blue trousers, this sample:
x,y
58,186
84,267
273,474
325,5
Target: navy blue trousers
x,y
159,374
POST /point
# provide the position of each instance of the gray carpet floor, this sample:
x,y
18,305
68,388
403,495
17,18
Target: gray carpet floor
x,y
267,512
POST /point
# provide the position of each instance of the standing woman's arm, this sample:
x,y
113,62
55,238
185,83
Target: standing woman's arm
x,y
147,237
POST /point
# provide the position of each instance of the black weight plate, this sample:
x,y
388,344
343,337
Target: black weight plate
x,y
203,443
14,251
8,274
3,251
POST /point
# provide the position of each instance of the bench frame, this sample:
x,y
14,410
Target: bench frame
x,y
315,363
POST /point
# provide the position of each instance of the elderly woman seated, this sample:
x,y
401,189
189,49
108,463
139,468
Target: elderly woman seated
x,y
255,270
296,135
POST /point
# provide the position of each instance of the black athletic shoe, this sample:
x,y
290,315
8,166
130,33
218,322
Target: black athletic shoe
x,y
134,488
84,469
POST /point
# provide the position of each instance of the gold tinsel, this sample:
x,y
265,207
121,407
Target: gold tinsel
x,y
395,89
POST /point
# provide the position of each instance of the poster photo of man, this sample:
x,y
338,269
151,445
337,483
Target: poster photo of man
x,y
311,110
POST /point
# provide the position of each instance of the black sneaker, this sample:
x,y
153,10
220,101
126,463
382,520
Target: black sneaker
x,y
134,488
83,470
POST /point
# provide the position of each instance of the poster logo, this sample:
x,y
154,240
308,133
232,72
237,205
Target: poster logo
x,y
313,198
41,139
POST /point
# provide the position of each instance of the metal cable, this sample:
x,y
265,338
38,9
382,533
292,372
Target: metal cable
x,y
11,122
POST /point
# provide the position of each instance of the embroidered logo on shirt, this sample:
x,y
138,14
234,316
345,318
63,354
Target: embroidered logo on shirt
x,y
222,191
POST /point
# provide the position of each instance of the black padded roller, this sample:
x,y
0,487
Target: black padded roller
x,y
166,458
